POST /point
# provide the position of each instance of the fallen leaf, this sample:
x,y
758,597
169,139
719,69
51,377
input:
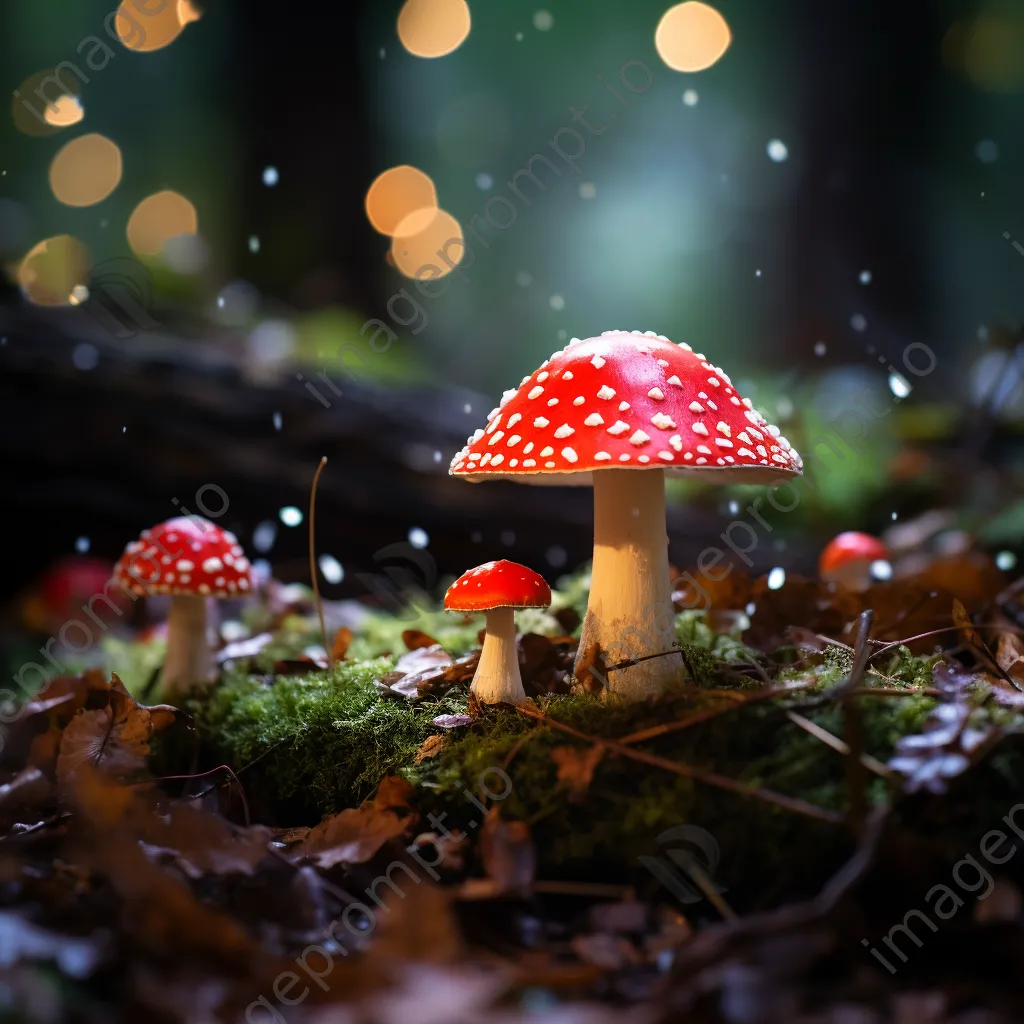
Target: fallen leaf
x,y
506,848
1010,656
576,767
354,835
414,639
430,747
247,648
342,640
30,788
591,671
20,940
452,721
115,740
416,668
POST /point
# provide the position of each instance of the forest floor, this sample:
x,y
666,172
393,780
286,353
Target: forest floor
x,y
818,824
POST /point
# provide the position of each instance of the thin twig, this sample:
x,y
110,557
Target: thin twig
x,y
197,796
706,714
853,726
815,730
312,561
793,804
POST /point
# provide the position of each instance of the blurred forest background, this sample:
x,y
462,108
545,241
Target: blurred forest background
x,y
189,235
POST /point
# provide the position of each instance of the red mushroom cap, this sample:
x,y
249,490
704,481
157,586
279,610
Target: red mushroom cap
x,y
851,547
625,400
187,555
501,584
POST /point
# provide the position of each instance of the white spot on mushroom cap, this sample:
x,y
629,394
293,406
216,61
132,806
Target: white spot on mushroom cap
x,y
601,456
529,463
514,419
638,437
542,376
513,440
594,420
549,465
212,564
540,422
184,565
723,428
569,455
667,456
624,458
552,402
723,442
696,407
643,458
606,393
564,431
568,373
617,428
597,362
535,392
495,438
703,449
498,459
676,442
663,422
657,394
714,382
623,406
675,381
546,451
699,428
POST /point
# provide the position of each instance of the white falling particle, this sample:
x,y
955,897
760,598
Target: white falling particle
x,y
438,456
220,301
557,303
820,348
757,273
278,421
777,151
987,151
524,279
893,517
1006,560
331,568
254,243
264,535
484,182
776,578
519,37
734,508
290,516
562,335
865,277
82,545
899,385
690,97
859,322
270,176
85,356
556,556
588,190
467,408
508,538
543,21
382,52
124,430
418,537
881,569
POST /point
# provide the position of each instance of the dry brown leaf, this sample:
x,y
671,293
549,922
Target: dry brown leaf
x,y
430,747
591,671
507,850
414,639
342,640
968,634
354,835
115,739
576,767
1010,656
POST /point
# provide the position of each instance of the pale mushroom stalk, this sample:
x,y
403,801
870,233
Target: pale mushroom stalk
x,y
189,658
629,614
497,675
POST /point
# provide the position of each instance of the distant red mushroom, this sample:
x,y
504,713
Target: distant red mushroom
x,y
498,588
618,412
192,560
847,559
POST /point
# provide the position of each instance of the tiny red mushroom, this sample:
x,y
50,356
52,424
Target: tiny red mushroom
x,y
497,589
848,558
597,412
192,560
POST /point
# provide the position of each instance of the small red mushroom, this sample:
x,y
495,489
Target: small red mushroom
x,y
847,560
618,412
192,560
498,588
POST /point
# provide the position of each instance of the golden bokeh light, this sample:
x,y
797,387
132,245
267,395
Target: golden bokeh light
x,y
159,218
142,27
691,36
66,111
994,54
396,194
55,271
433,28
86,170
424,242
43,100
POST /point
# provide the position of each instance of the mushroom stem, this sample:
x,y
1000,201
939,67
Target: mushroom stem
x,y
629,614
189,659
497,673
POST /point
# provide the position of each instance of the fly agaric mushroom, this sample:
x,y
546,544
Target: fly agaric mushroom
x,y
497,589
848,558
598,411
192,560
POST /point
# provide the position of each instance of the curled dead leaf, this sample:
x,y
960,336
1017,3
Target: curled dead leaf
x,y
414,639
342,641
576,767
